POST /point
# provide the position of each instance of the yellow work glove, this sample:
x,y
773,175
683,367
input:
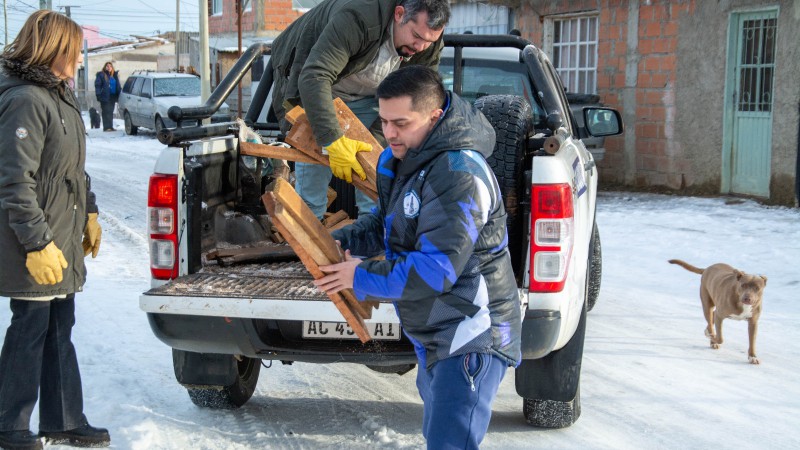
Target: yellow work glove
x,y
342,156
46,265
91,236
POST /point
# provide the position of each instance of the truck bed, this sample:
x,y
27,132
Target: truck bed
x,y
285,281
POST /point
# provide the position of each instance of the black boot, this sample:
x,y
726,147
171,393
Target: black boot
x,y
85,436
19,440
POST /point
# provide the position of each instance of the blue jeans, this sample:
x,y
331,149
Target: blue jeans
x,y
38,358
312,180
457,395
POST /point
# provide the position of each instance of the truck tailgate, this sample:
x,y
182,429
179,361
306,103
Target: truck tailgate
x,y
281,291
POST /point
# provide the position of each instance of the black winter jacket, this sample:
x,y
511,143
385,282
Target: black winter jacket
x,y
44,191
442,226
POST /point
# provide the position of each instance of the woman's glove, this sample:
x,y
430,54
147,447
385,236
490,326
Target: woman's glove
x,y
91,236
46,265
342,157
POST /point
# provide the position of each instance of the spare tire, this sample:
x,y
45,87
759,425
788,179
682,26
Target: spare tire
x,y
510,116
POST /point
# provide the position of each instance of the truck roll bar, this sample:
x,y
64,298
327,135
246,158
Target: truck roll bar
x,y
224,88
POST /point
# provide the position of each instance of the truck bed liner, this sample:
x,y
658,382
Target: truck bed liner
x,y
286,281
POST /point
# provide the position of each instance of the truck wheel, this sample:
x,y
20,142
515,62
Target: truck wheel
x,y
550,386
130,128
595,269
233,396
510,116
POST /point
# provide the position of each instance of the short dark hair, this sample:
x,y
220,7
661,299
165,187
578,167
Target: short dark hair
x,y
421,83
438,11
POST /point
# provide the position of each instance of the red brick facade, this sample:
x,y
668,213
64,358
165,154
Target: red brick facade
x,y
658,158
276,15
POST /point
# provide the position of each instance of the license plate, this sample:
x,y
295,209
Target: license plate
x,y
341,330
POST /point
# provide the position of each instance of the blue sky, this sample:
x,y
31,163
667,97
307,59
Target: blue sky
x,y
116,18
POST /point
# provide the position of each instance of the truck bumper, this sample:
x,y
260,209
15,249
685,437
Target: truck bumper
x,y
540,330
266,329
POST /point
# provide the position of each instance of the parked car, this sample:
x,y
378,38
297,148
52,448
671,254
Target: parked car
x,y
147,96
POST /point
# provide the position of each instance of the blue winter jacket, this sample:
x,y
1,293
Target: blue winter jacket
x,y
441,224
102,86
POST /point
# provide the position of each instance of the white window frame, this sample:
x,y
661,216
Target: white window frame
x,y
216,7
580,73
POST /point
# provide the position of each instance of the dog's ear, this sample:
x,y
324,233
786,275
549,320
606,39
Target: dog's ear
x,y
763,277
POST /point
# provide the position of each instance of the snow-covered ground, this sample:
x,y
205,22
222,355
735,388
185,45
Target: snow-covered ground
x,y
649,380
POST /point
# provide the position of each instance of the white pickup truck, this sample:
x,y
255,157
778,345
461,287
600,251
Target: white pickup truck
x,y
222,319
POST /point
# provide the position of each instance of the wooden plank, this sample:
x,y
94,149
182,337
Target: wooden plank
x,y
334,218
363,310
275,152
301,136
301,213
342,224
354,129
345,308
319,237
250,254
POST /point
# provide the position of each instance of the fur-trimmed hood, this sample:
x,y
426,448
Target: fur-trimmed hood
x,y
18,72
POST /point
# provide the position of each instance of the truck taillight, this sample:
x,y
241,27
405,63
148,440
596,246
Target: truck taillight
x,y
551,236
162,212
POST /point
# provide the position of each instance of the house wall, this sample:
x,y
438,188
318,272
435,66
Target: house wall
x,y
268,17
662,64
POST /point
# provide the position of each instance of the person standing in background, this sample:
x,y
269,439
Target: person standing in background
x,y
48,224
107,88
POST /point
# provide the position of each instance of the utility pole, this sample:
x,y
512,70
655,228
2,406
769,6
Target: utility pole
x,y
45,4
5,19
239,8
177,35
205,70
67,9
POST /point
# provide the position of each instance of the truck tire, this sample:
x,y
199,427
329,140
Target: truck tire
x,y
510,116
550,386
595,269
233,396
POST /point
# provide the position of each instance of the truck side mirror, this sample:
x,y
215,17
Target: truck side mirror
x,y
602,121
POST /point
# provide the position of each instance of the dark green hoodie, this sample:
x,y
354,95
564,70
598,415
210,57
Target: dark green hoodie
x,y
333,40
43,187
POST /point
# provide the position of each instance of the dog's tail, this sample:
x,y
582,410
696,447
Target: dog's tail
x,y
686,266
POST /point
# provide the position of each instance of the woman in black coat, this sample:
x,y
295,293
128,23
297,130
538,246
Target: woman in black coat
x,y
107,88
48,224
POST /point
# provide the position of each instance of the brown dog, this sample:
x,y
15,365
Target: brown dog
x,y
727,293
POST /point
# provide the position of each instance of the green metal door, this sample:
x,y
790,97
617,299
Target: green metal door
x,y
752,85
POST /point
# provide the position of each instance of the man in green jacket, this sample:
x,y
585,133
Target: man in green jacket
x,y
345,48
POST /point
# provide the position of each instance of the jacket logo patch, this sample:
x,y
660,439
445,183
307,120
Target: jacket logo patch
x,y
411,205
22,133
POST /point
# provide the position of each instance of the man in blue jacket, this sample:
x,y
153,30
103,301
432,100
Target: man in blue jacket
x,y
441,225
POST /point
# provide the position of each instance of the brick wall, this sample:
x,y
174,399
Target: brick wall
x,y
657,159
277,15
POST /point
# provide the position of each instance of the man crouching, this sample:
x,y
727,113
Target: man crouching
x,y
441,224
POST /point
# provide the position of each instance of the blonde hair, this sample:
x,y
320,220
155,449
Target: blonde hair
x,y
46,37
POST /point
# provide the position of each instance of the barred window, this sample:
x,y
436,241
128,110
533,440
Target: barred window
x,y
575,53
215,7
